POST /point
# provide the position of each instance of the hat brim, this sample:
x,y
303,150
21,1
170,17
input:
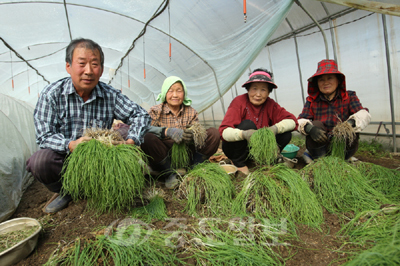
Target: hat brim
x,y
255,80
324,73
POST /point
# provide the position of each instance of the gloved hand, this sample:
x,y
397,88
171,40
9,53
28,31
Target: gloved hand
x,y
174,133
246,134
316,133
273,129
352,122
187,135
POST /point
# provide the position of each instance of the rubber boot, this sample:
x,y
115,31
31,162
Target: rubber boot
x,y
198,158
57,202
171,180
318,152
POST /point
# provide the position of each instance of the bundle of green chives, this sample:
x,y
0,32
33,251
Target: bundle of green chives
x,y
110,177
129,247
343,133
338,147
340,187
155,209
382,179
263,147
224,247
379,229
208,189
180,156
278,192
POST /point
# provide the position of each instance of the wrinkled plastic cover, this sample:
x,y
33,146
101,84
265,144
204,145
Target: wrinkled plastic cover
x,y
17,144
211,46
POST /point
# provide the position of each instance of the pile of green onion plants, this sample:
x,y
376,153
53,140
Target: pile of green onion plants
x,y
180,155
380,231
278,192
340,187
155,209
110,177
242,245
129,245
263,147
373,226
382,179
208,190
343,133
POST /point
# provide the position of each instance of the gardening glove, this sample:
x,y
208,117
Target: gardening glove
x,y
174,133
246,134
352,122
187,135
273,129
316,133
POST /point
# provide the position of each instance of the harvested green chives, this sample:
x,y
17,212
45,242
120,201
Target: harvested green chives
x,y
155,209
338,148
340,187
180,156
110,177
382,179
208,189
263,147
278,192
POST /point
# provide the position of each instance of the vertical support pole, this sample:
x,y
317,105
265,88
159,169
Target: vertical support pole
x,y
212,111
389,70
298,62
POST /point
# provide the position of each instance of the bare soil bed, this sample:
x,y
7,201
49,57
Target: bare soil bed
x,y
314,247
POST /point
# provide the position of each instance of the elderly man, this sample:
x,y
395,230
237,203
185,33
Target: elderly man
x,y
68,106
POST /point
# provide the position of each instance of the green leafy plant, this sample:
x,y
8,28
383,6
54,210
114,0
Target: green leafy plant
x,y
110,177
235,246
340,187
382,179
180,155
263,147
380,231
372,148
155,209
208,190
278,192
127,245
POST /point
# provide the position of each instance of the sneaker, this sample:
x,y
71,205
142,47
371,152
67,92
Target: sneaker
x,y
171,182
307,157
58,204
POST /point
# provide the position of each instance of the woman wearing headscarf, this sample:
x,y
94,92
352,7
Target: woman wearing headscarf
x,y
251,111
170,121
329,102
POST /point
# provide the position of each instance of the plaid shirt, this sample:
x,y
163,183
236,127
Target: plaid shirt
x,y
329,112
61,116
162,116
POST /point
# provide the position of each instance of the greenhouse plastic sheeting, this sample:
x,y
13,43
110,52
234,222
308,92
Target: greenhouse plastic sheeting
x,y
17,135
211,45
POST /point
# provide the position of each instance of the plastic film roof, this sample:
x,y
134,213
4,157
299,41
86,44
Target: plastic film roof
x,y
211,45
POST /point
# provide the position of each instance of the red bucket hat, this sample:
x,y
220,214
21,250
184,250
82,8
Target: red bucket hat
x,y
326,67
260,76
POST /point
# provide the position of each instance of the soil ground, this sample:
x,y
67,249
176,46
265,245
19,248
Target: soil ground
x,y
314,247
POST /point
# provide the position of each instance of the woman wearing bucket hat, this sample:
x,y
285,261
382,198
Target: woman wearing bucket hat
x,y
251,111
170,120
329,102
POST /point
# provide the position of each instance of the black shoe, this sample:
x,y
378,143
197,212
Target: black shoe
x,y
58,204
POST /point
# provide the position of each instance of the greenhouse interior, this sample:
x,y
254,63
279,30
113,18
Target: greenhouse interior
x,y
211,45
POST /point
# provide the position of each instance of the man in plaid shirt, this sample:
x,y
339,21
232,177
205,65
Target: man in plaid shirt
x,y
329,102
68,106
